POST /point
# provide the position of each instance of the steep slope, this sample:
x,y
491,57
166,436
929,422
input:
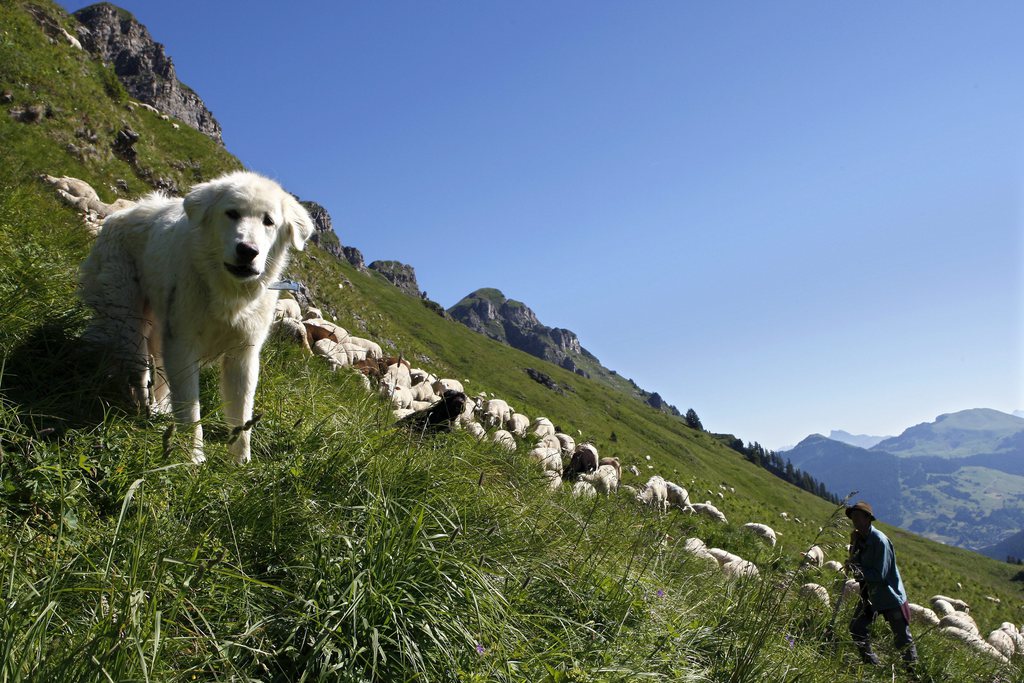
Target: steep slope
x,y
350,550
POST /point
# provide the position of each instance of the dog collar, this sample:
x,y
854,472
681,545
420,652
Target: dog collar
x,y
286,285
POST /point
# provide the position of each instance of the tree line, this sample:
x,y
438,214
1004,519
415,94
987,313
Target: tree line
x,y
779,466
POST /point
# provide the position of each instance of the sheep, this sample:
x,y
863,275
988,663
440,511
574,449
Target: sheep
x,y
958,605
355,353
614,462
1015,636
496,412
468,415
960,620
942,607
709,511
554,479
420,376
655,494
541,426
814,556
549,458
318,328
401,397
1002,641
604,479
549,441
584,459
975,642
287,309
397,375
517,423
834,565
443,385
765,532
677,495
693,545
814,591
371,348
504,439
739,569
584,489
920,613
723,556
476,430
628,490
851,589
696,548
423,392
333,352
567,443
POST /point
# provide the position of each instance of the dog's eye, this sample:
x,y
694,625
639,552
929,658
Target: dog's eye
x,y
267,220
232,214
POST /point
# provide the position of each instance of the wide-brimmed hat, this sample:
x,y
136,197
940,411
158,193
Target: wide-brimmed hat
x,y
863,507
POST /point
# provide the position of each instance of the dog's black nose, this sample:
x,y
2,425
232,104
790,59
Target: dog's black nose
x,y
246,252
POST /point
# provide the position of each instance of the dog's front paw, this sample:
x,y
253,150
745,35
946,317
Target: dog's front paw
x,y
240,452
198,457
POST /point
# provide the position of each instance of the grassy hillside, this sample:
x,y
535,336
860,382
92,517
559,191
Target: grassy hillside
x,y
350,550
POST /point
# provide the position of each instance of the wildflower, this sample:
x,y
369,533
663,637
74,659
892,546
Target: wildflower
x,y
660,593
791,640
480,649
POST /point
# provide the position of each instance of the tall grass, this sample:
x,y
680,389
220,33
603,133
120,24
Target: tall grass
x,y
350,549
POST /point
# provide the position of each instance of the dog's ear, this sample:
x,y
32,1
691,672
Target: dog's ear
x,y
299,224
200,199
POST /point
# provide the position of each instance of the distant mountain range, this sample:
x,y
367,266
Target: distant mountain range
x,y
859,440
958,480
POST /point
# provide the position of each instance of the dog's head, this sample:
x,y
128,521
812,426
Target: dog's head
x,y
249,221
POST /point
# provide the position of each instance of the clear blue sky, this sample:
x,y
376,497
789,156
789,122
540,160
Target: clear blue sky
x,y
790,216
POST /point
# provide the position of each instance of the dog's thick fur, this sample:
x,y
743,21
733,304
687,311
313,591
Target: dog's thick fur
x,y
184,281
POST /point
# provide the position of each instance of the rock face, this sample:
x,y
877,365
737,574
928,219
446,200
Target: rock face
x,y
114,36
326,238
323,234
354,256
512,322
400,275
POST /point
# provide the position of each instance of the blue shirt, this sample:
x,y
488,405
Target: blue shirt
x,y
877,561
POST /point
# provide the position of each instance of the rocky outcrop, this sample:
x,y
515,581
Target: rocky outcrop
x,y
400,275
323,233
512,322
354,256
147,73
326,238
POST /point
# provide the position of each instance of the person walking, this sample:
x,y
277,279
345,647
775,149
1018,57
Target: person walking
x,y
873,564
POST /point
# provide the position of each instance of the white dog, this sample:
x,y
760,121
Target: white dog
x,y
185,281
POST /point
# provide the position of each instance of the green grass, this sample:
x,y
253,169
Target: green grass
x,y
349,550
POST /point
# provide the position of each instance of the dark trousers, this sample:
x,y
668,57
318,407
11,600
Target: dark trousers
x,y
864,614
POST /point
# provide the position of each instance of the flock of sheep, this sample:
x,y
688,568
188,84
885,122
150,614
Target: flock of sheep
x,y
561,459
579,465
